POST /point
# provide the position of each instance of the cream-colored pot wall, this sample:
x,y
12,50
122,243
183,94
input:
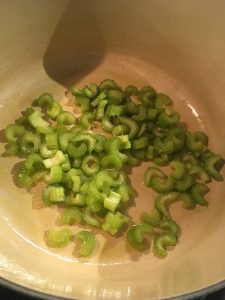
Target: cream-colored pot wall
x,y
176,46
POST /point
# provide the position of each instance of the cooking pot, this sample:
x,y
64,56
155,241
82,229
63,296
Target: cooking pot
x,y
176,46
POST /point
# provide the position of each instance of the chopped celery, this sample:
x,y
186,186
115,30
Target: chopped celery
x,y
53,194
70,216
36,120
86,172
89,242
58,238
112,201
58,159
114,222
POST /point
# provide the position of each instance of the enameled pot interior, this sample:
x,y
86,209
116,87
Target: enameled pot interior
x,y
178,47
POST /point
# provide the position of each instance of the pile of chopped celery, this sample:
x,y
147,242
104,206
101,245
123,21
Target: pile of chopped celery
x,y
84,171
